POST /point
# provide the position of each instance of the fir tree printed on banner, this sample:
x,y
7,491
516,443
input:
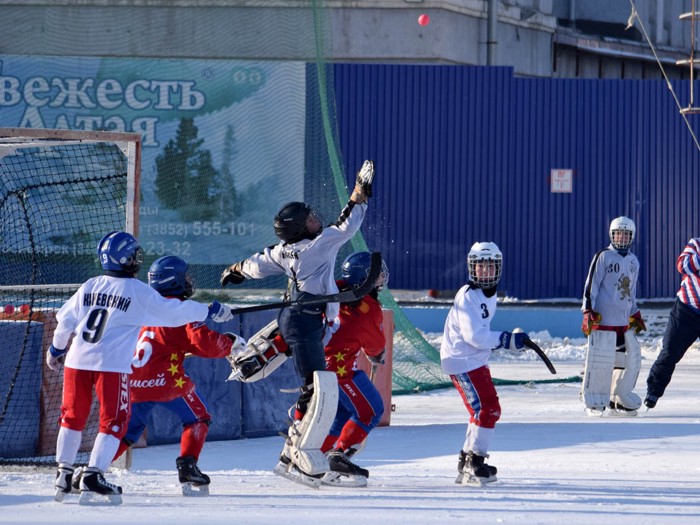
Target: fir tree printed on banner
x,y
187,181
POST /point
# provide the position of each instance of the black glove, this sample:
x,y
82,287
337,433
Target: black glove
x,y
233,274
377,359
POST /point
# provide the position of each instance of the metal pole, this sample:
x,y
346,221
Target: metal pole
x,y
491,32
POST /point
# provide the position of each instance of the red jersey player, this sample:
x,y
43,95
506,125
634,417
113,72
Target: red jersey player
x,y
159,376
360,405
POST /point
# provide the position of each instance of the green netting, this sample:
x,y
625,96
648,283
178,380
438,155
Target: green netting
x,y
226,143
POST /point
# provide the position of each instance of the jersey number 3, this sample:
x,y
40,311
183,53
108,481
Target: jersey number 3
x,y
484,311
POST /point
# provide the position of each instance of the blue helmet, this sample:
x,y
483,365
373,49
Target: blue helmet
x,y
355,270
168,276
120,252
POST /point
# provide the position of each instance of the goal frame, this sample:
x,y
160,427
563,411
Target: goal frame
x,y
129,142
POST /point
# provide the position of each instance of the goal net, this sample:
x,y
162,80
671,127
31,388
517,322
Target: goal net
x,y
60,192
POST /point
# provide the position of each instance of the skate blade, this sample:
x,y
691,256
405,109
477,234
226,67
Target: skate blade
x,y
594,412
623,413
95,499
192,490
459,478
336,479
59,495
474,481
295,475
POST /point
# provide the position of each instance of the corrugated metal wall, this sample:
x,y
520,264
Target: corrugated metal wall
x,y
464,154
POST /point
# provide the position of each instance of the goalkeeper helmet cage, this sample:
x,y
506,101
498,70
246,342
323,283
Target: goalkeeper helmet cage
x,y
291,222
169,277
120,252
622,232
484,263
355,269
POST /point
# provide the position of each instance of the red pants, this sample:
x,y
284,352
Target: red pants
x,y
112,390
479,395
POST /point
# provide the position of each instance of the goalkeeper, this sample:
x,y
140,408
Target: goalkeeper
x,y
614,358
306,253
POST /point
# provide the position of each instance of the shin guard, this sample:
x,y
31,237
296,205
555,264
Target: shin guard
x,y
307,436
625,378
599,364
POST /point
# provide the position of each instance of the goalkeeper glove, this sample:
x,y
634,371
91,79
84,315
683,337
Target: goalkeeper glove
x,y
363,183
233,274
637,322
591,318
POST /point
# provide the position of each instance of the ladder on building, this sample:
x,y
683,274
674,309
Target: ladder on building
x,y
693,16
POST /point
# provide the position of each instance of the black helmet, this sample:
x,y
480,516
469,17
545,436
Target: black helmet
x,y
290,222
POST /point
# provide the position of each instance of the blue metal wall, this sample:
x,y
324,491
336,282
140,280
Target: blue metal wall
x,y
464,154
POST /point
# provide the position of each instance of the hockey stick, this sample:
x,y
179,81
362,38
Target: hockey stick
x,y
346,296
533,346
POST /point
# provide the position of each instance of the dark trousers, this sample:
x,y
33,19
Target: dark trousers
x,y
302,329
682,330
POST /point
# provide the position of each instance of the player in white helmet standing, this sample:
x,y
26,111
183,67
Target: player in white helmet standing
x,y
613,359
104,317
465,351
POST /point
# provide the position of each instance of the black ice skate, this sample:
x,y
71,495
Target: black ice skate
x,y
462,460
95,490
287,469
618,409
343,471
650,401
475,470
64,479
194,482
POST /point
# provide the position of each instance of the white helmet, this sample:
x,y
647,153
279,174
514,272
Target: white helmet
x,y
622,224
484,251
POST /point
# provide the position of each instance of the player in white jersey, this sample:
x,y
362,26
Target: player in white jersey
x,y
306,253
104,317
613,359
465,351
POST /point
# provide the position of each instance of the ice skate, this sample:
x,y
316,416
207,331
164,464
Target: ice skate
x,y
476,472
77,476
95,490
287,469
344,472
618,409
64,480
650,402
194,482
460,468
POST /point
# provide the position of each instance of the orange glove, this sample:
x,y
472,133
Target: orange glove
x,y
637,323
590,319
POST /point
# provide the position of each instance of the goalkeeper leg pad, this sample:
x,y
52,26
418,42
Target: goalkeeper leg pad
x,y
307,437
625,379
598,371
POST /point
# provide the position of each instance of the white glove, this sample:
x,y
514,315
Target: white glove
x,y
55,358
239,344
